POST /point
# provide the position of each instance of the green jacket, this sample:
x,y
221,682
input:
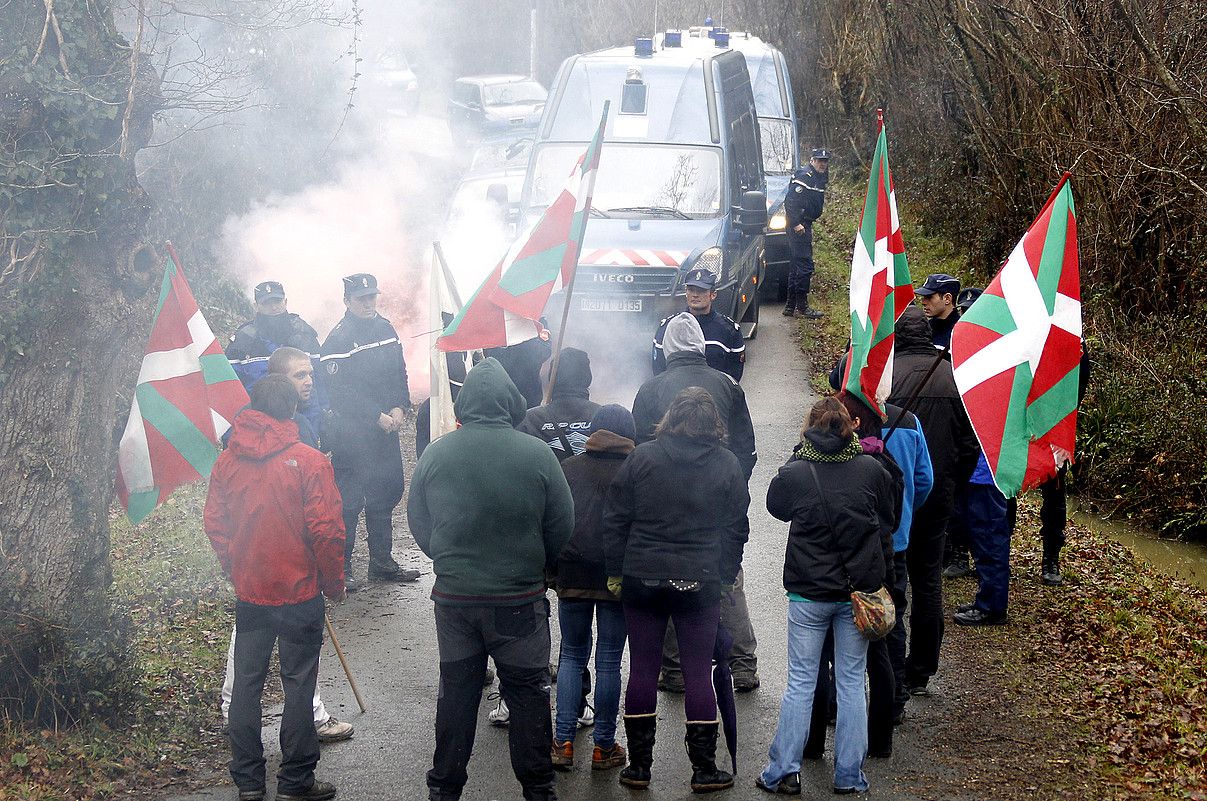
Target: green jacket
x,y
489,504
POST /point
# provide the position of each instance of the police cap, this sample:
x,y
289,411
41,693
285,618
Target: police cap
x,y
268,290
942,283
701,279
358,285
820,153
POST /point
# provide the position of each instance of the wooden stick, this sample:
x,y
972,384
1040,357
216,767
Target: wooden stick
x,y
347,670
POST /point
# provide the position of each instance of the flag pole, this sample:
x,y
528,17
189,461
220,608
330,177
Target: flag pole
x,y
343,661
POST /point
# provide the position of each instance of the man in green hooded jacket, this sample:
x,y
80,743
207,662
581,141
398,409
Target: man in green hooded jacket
x,y
492,509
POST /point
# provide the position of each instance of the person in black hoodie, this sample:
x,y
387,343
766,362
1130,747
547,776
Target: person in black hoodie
x,y
583,596
933,398
570,408
841,505
675,526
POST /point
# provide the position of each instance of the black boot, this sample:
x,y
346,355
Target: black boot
x,y
806,311
790,306
640,732
701,742
1050,572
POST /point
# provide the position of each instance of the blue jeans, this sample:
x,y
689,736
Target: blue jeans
x,y
808,623
575,616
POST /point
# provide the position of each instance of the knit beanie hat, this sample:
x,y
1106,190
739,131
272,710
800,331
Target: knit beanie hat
x,y
614,418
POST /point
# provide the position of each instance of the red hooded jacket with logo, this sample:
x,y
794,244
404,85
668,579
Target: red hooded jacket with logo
x,y
274,515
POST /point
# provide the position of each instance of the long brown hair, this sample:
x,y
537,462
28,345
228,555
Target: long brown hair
x,y
829,416
693,413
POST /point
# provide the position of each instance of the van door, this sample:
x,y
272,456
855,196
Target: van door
x,y
743,155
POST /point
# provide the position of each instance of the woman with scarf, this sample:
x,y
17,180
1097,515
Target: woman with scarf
x,y
841,504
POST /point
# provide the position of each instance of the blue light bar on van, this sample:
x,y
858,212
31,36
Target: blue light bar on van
x,y
643,47
721,37
673,39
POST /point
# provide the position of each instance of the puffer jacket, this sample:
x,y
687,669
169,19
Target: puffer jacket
x,y
581,571
274,516
570,407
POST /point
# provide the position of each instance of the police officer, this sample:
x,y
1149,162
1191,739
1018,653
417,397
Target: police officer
x,y
937,297
274,326
724,347
806,198
367,379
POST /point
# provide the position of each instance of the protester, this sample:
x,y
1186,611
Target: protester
x,y
491,507
367,377
297,367
675,526
583,596
840,503
931,395
273,517
566,419
523,362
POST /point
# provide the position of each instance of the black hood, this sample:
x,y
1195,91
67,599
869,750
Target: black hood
x,y
826,442
913,332
686,449
573,374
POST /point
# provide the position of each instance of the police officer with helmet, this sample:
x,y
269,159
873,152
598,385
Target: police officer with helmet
x,y
804,203
367,380
724,347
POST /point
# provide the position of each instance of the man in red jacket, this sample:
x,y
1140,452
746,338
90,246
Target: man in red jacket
x,y
275,520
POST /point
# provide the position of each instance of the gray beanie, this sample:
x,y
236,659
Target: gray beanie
x,y
683,333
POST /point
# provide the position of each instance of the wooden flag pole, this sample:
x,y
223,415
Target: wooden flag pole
x,y
343,661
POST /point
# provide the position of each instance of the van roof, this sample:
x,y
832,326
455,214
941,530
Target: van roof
x,y
769,80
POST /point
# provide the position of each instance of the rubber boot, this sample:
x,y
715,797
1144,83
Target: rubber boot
x,y
701,743
804,310
640,732
790,306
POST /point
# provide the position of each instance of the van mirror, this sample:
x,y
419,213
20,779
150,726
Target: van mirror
x,y
752,215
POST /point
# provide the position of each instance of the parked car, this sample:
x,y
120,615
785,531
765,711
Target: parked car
x,y
393,78
491,105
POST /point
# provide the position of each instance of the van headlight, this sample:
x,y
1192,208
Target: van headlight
x,y
710,260
779,221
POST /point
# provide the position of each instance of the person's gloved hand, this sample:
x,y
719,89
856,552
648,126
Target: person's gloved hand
x,y
614,583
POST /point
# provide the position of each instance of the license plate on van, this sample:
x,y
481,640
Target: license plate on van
x,y
610,304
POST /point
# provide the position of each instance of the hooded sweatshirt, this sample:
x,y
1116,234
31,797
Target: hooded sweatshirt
x,y
569,407
489,504
274,515
687,367
580,567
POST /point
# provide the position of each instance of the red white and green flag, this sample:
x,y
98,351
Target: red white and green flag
x,y
880,285
186,396
1017,352
506,308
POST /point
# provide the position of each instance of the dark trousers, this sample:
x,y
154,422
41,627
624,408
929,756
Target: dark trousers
x,y
735,617
800,265
1053,513
646,618
369,474
881,692
989,536
959,539
895,642
297,631
924,564
517,638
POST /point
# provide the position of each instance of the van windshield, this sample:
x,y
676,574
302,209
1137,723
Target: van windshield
x,y
636,180
777,146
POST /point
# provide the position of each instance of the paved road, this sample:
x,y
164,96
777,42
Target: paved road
x,y
388,635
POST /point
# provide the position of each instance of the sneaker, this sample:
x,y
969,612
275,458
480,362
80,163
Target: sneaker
x,y
745,682
1050,573
958,569
319,791
391,571
352,585
979,617
587,718
809,313
499,716
334,730
607,758
562,754
918,690
789,785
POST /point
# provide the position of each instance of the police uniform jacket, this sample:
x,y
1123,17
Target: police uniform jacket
x,y
255,340
806,197
724,347
688,369
366,374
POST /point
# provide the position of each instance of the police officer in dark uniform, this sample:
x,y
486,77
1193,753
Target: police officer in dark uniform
x,y
367,379
724,347
804,204
274,326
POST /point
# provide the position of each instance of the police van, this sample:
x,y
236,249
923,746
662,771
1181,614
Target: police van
x,y
680,185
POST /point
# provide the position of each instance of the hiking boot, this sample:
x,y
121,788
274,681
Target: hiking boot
x,y
640,730
958,568
701,741
671,683
1050,572
790,306
607,758
809,313
789,785
391,571
334,730
319,791
562,754
979,617
500,716
745,682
